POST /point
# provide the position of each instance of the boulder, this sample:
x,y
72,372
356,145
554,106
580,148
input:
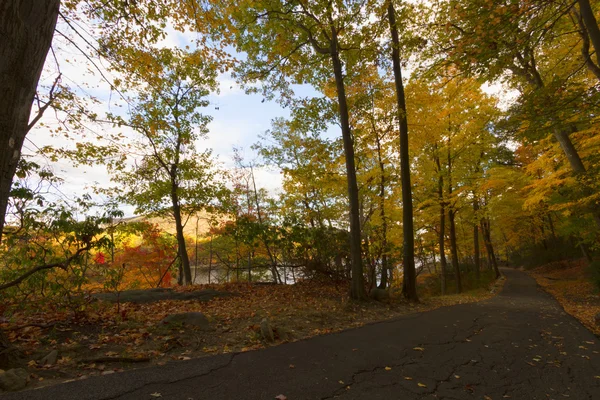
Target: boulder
x,y
50,358
196,319
13,379
266,331
9,355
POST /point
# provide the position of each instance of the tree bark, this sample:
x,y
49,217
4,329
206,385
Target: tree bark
x,y
453,249
26,28
476,255
181,247
409,282
452,227
487,238
442,233
382,214
357,290
591,25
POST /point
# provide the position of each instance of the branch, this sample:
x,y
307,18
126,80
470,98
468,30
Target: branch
x,y
62,265
43,108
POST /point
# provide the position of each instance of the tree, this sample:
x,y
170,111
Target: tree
x,y
27,28
171,177
520,43
409,284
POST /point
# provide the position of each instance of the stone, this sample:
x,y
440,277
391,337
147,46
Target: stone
x,y
50,358
196,319
379,294
13,379
266,331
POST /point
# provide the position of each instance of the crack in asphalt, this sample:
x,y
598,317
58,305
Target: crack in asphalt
x,y
179,380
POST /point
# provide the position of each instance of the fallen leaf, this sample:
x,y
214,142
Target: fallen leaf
x,y
281,397
418,349
457,376
408,378
155,394
421,384
388,368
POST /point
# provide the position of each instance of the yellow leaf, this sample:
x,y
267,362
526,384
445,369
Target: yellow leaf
x,y
421,384
418,349
388,368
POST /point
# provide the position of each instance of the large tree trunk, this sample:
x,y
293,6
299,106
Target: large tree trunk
x,y
26,29
357,290
181,247
409,282
591,25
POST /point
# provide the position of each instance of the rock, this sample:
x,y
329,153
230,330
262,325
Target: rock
x,y
266,330
9,355
196,319
379,294
13,379
50,358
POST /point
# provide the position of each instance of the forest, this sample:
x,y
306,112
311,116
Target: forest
x,y
425,146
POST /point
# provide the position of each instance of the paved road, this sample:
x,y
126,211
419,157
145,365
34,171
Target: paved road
x,y
519,345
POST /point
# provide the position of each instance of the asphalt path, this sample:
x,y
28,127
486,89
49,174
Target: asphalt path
x,y
518,345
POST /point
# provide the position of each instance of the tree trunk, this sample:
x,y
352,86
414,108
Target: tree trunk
x,y
487,238
442,234
264,236
409,282
452,223
26,27
591,25
453,249
357,290
181,248
382,214
476,255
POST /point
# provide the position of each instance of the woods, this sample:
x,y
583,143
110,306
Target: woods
x,y
419,146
